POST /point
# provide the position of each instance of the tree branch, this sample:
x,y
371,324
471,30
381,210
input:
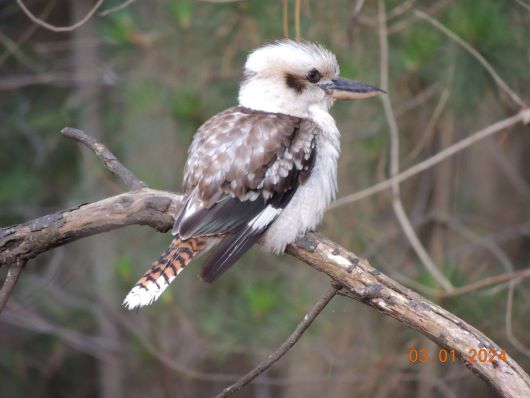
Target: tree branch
x,y
285,346
397,204
377,290
154,208
9,283
453,36
145,207
119,7
54,28
486,282
109,160
520,117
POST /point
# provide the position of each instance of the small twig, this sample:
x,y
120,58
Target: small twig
x,y
486,282
15,82
438,110
13,48
500,82
516,177
512,277
397,204
159,354
522,4
108,159
521,117
354,19
487,243
95,346
285,14
116,8
285,346
356,11
508,323
400,9
27,34
54,28
297,20
9,283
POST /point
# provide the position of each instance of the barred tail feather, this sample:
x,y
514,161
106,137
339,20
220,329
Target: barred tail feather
x,y
163,271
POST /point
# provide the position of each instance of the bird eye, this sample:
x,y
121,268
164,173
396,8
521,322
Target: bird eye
x,y
313,76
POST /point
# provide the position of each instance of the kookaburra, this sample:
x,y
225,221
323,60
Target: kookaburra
x,y
261,172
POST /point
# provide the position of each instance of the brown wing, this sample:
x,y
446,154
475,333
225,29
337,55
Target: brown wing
x,y
253,157
243,169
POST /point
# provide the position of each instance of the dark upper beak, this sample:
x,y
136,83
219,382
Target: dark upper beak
x,y
341,88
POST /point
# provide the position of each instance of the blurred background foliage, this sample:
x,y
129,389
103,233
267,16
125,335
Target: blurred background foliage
x,y
142,79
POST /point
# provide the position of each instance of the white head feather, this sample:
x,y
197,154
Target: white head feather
x,y
273,72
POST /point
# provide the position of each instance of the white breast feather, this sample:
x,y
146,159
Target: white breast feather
x,y
306,209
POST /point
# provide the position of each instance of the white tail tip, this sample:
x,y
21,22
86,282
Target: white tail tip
x,y
140,296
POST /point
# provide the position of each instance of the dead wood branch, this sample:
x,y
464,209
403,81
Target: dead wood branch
x,y
144,207
109,160
156,209
377,290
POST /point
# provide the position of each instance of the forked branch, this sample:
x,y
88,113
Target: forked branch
x,y
156,209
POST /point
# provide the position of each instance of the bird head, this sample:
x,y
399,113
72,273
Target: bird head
x,y
292,77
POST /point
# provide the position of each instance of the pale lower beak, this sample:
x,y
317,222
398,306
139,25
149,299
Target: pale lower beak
x,y
345,89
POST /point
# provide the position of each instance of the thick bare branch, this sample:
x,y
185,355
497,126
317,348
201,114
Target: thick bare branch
x,y
144,207
156,209
109,160
377,290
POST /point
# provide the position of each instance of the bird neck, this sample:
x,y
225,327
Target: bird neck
x,y
268,97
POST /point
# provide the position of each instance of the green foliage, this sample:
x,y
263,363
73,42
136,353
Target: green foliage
x,y
417,47
187,107
372,146
182,12
483,24
261,297
119,28
16,187
145,94
124,268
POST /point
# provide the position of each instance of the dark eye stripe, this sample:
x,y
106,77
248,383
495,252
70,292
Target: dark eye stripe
x,y
297,83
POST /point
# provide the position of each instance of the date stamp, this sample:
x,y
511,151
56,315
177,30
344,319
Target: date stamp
x,y
483,355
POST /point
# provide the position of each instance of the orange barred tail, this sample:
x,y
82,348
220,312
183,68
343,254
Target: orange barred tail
x,y
163,271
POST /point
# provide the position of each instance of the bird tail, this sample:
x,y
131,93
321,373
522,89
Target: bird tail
x,y
163,271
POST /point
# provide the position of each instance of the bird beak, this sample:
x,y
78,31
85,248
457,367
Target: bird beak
x,y
345,89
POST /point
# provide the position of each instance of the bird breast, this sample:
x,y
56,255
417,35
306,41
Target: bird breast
x,y
310,201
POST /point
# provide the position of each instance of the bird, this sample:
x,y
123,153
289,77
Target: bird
x,y
263,171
